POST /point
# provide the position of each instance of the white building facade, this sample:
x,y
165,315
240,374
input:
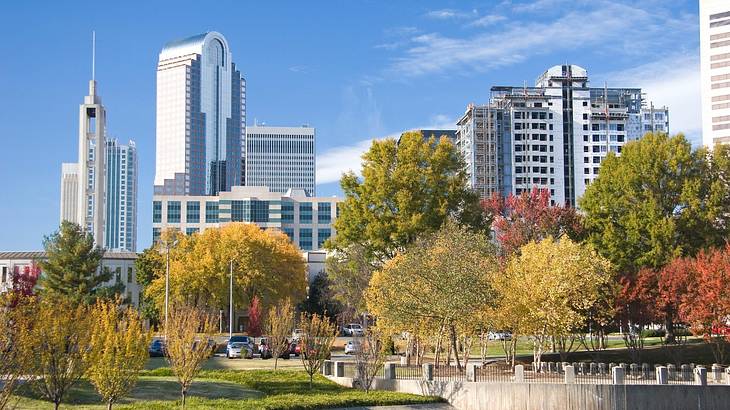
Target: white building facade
x,y
715,71
201,106
120,264
308,221
121,196
551,136
280,158
69,191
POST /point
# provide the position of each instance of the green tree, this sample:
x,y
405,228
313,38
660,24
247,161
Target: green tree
x,y
71,269
150,265
349,271
409,188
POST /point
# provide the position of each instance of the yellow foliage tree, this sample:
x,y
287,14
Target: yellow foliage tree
x,y
118,350
16,316
265,263
548,290
279,326
316,342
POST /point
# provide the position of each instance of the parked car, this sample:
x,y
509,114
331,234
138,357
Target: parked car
x,y
499,335
352,347
353,329
264,349
157,348
239,346
296,334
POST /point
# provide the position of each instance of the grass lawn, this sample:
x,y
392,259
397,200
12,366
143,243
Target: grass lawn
x,y
231,389
222,363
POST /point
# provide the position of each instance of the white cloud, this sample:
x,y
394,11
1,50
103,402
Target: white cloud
x,y
673,81
620,29
445,14
487,20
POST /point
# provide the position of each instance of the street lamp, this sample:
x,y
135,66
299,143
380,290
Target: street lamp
x,y
230,306
168,243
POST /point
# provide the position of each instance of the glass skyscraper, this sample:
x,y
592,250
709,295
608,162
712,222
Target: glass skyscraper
x,y
200,117
121,196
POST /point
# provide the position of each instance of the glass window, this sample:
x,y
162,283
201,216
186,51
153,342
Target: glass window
x,y
156,211
323,235
287,212
211,212
155,235
192,212
173,212
190,231
305,212
130,276
324,212
250,211
289,232
305,239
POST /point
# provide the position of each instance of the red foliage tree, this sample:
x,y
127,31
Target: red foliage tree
x,y
24,281
519,219
706,304
254,317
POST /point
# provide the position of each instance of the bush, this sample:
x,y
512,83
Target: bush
x,y
653,333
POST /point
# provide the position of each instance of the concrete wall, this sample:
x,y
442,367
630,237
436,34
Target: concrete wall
x,y
524,396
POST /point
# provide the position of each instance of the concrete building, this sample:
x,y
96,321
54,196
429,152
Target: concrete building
x,y
121,196
201,117
280,158
69,191
308,221
715,71
552,136
121,264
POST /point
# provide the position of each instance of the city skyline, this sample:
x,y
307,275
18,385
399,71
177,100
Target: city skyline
x,y
407,83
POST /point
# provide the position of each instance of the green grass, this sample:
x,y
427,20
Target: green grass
x,y
230,389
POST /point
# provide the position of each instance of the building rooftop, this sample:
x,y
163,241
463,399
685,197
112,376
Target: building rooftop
x,y
42,255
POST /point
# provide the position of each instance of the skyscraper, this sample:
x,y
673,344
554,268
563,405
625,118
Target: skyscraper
x,y
92,143
200,117
553,136
280,158
121,196
69,191
715,68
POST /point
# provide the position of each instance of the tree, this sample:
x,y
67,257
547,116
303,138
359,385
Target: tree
x,y
520,219
71,269
409,188
150,265
279,326
254,317
349,271
16,316
187,334
320,299
369,357
24,282
654,203
550,287
265,263
60,336
441,281
706,304
316,342
118,350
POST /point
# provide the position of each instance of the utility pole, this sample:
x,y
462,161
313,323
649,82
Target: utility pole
x,y
230,305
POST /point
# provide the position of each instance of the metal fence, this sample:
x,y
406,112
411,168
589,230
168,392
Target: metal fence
x,y
546,373
499,373
450,373
411,372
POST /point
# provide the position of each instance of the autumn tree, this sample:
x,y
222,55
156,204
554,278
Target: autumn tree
x,y
265,263
24,281
316,342
706,304
16,345
186,346
529,216
71,269
254,317
369,357
60,336
444,279
409,187
118,350
549,288
279,326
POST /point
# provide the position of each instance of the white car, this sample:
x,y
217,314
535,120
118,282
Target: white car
x,y
353,329
500,335
239,346
352,347
297,334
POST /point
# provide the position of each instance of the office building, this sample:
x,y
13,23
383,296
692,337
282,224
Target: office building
x,y
715,71
280,158
121,196
201,106
552,136
69,191
308,221
121,265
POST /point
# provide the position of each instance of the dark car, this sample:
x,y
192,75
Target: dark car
x,y
157,348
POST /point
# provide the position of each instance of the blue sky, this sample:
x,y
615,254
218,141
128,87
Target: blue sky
x,y
354,70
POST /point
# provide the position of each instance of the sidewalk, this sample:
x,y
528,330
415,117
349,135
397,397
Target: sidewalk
x,y
432,406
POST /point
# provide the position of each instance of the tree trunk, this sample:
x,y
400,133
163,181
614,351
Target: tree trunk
x,y
56,404
109,405
669,329
276,359
184,394
452,330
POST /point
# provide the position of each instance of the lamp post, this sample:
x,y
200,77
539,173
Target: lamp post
x,y
230,305
167,280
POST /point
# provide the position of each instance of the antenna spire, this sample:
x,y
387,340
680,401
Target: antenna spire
x,y
93,55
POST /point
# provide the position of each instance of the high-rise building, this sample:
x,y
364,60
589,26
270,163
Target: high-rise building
x,y
69,191
280,158
92,143
715,71
308,221
552,136
201,117
121,196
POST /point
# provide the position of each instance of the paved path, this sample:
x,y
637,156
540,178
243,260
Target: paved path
x,y
432,406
